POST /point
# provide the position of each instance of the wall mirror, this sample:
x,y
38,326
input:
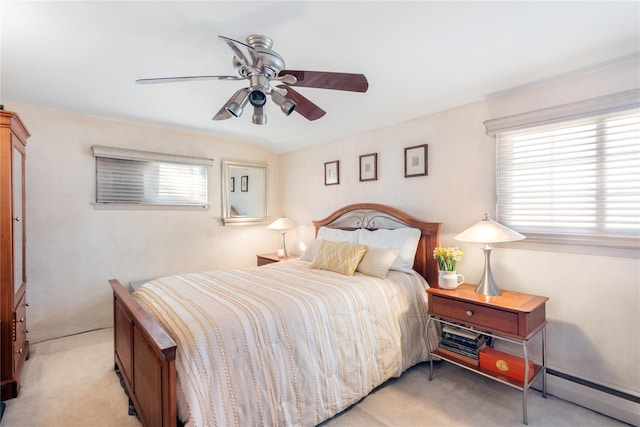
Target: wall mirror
x,y
244,193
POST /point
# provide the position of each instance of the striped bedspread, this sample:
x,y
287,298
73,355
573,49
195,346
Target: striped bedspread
x,y
284,344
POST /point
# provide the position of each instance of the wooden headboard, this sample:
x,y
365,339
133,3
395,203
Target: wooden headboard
x,y
373,216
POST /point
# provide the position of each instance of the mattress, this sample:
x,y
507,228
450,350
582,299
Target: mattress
x,y
284,344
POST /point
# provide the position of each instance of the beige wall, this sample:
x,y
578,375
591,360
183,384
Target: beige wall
x,y
73,248
594,306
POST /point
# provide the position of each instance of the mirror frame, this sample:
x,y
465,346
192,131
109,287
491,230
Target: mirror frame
x,y
229,220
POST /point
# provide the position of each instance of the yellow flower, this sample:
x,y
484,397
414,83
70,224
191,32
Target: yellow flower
x,y
447,257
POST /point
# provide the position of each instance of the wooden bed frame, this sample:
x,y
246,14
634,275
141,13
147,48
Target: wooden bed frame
x,y
145,354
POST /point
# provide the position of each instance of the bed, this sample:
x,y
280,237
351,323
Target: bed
x,y
290,343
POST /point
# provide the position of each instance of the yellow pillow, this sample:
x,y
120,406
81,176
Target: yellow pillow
x,y
341,257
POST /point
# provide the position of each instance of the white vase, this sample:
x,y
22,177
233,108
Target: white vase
x,y
449,279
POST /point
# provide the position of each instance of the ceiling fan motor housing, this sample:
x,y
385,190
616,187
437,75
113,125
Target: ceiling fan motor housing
x,y
272,62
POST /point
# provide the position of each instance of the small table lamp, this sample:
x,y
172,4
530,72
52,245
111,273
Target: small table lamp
x,y
283,224
488,231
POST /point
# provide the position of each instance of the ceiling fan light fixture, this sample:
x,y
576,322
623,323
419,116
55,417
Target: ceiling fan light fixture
x,y
259,117
286,105
258,93
257,98
236,103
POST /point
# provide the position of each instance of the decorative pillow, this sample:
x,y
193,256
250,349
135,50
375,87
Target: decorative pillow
x,y
403,239
377,261
341,257
336,235
310,252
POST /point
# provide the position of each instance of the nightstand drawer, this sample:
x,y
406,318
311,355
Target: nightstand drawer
x,y
492,319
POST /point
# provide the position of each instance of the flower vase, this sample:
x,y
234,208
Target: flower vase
x,y
449,279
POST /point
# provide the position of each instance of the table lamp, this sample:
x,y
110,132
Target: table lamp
x,y
488,231
283,224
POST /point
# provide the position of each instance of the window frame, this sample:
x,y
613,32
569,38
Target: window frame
x,y
556,116
150,164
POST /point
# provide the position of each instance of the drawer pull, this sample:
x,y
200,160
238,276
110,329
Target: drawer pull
x,y
20,351
469,313
21,320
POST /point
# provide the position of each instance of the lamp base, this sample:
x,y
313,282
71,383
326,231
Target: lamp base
x,y
487,286
282,253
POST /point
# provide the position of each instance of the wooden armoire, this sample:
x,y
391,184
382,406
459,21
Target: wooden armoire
x,y
14,346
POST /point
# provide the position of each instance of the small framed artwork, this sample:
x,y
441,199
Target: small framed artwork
x,y
415,161
369,167
332,173
232,184
244,183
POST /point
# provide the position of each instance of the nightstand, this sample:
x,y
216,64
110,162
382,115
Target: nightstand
x,y
513,317
273,257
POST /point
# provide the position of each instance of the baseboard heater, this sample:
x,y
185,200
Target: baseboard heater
x,y
595,386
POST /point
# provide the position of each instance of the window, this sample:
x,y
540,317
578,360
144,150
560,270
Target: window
x,y
133,177
573,180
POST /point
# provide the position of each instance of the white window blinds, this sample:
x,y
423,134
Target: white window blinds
x,y
572,180
571,173
144,178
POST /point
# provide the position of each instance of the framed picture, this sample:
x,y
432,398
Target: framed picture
x,y
415,161
369,167
244,183
332,173
232,184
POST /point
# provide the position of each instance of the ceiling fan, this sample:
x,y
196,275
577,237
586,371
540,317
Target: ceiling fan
x,y
265,70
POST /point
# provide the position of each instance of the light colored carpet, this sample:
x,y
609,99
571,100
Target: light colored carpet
x,y
70,382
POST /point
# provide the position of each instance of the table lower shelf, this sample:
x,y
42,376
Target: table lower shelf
x,y
512,382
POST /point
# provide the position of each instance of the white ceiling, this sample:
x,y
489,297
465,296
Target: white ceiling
x,y
419,57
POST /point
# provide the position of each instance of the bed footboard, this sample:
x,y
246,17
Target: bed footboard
x,y
145,355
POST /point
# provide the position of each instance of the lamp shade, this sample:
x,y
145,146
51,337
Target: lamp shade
x,y
488,231
282,223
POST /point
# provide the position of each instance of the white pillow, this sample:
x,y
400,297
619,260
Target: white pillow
x,y
310,252
336,235
377,261
403,239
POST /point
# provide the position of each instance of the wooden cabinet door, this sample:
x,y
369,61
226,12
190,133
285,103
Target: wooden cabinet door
x,y
17,185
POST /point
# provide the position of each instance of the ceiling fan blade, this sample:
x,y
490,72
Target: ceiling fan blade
x,y
254,52
304,106
235,47
326,80
185,79
222,114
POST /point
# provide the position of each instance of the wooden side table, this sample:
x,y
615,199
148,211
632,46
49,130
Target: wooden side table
x,y
513,316
272,257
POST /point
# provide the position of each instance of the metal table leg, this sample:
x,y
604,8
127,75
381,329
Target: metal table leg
x,y
429,350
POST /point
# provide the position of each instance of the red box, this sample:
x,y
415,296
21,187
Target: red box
x,y
506,364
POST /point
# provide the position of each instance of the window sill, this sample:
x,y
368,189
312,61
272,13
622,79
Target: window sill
x,y
148,207
589,245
